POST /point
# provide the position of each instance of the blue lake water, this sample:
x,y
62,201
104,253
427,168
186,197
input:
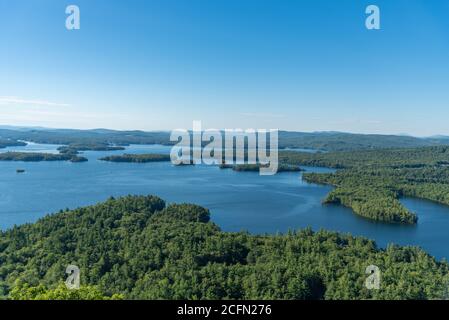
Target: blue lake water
x,y
237,200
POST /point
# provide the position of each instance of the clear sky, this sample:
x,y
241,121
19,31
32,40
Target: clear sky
x,y
293,65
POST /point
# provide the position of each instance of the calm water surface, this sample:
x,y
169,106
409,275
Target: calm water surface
x,y
237,200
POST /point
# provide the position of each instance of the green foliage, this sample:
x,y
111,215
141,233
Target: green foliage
x,y
138,158
185,212
371,182
74,148
138,248
413,158
85,138
256,167
373,203
36,157
25,292
340,141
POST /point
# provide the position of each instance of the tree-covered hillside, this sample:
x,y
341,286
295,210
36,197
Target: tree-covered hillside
x,y
137,247
10,143
342,141
371,182
98,139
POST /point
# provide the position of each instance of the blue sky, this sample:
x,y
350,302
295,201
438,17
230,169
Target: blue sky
x,y
293,65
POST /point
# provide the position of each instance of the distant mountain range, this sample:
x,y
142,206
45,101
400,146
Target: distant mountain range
x,y
325,141
340,141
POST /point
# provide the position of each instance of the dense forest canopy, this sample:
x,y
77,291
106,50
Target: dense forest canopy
x,y
75,148
391,158
137,247
341,141
256,167
137,158
37,157
371,182
141,248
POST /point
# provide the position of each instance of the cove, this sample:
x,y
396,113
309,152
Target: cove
x,y
237,200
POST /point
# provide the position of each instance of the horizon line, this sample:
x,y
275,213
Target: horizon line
x,y
30,127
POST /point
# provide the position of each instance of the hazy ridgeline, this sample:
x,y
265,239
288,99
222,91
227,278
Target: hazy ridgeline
x,y
326,141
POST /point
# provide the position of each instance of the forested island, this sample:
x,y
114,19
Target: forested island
x,y
75,148
371,182
137,247
256,167
137,158
37,157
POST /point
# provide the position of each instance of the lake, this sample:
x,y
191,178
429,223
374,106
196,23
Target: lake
x,y
237,200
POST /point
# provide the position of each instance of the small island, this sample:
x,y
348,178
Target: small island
x,y
75,148
37,157
256,167
137,158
